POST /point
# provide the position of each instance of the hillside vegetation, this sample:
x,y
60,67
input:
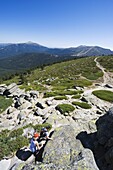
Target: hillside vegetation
x,y
106,62
65,75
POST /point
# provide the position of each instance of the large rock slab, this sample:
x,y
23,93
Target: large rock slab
x,y
66,151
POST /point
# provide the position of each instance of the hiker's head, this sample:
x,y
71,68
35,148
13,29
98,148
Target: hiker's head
x,y
36,136
44,129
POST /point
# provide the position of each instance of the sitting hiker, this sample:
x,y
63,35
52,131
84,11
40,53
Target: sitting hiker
x,y
34,145
44,136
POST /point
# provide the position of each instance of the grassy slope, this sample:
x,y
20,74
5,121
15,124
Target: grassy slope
x,y
70,69
106,62
63,75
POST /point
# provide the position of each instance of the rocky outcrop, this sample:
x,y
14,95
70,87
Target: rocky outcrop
x,y
64,151
11,90
101,142
2,88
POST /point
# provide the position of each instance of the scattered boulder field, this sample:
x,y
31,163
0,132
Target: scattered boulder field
x,y
82,135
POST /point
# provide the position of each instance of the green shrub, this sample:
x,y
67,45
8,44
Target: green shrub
x,y
38,127
11,141
83,82
61,93
4,150
17,143
4,103
59,87
60,98
49,94
80,91
4,134
63,108
76,96
16,133
82,105
104,95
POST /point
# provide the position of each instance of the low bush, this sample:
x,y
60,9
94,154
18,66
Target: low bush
x,y
76,96
5,103
83,82
104,95
82,105
60,98
11,141
62,93
17,143
16,133
38,127
50,94
4,150
63,108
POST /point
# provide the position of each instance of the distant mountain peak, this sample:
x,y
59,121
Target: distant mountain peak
x,y
32,43
29,42
81,46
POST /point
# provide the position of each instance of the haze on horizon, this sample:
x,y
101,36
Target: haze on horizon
x,y
57,23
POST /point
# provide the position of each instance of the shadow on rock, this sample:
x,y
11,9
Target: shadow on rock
x,y
23,154
101,142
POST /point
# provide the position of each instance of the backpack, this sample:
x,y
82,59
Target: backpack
x,y
23,154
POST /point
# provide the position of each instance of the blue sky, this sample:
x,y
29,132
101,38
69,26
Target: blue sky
x,y
57,23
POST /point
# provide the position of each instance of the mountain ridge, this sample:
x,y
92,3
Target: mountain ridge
x,y
14,49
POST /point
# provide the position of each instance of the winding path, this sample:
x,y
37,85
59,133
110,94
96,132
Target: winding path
x,y
107,76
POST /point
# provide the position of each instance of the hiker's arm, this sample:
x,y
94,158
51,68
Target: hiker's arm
x,y
38,147
49,138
